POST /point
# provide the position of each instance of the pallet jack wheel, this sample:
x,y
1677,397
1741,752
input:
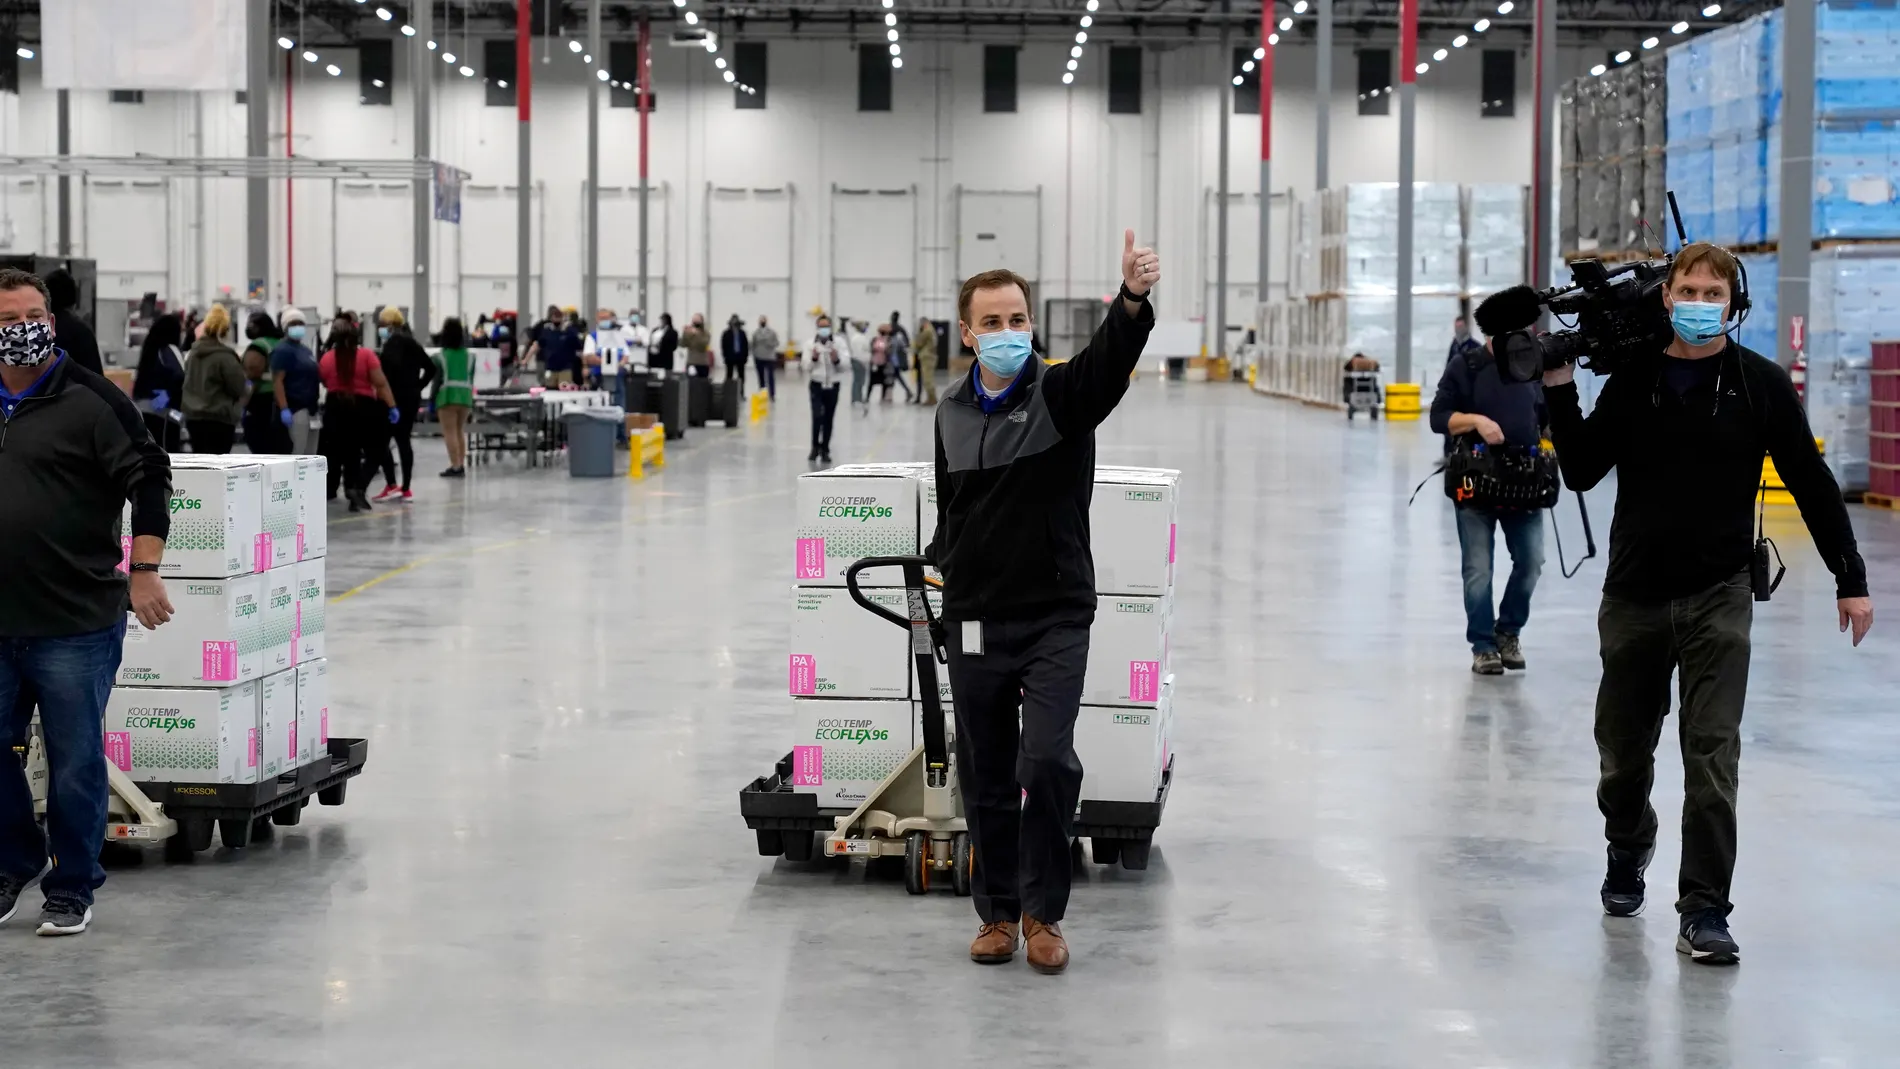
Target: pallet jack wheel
x,y
1135,855
917,863
962,864
1105,851
798,845
235,834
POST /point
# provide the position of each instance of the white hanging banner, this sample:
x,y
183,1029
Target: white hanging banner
x,y
143,44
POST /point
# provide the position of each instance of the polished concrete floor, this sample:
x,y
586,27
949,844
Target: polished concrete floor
x,y
1371,857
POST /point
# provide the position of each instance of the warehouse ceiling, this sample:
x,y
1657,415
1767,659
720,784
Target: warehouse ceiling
x,y
1161,23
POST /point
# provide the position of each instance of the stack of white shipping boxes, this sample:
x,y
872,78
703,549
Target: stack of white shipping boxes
x,y
848,672
234,688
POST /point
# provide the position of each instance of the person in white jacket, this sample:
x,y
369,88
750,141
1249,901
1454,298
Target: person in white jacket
x,y
603,351
825,356
858,337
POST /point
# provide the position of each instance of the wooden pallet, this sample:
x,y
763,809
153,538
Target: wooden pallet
x,y
1881,501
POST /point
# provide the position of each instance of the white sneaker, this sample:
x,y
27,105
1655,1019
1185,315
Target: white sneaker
x,y
63,916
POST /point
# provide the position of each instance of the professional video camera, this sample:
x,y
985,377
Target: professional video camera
x,y
1620,317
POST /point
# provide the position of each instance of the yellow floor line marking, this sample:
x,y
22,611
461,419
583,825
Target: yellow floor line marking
x,y
430,559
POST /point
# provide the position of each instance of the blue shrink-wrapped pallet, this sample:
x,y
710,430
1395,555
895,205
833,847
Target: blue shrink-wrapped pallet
x,y
1758,327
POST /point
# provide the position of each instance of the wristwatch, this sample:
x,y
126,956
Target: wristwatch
x,y
145,567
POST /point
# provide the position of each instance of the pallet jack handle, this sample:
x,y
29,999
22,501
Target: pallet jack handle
x,y
926,647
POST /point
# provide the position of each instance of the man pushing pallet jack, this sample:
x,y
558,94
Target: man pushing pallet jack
x,y
1015,465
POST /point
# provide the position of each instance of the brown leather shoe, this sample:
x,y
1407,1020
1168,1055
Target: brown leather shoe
x,y
995,943
1044,946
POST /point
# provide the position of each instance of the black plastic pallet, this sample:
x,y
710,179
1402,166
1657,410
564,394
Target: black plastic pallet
x,y
241,812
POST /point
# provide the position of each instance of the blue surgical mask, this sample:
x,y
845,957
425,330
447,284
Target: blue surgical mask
x,y
824,332
1003,352
295,331
382,333
1697,322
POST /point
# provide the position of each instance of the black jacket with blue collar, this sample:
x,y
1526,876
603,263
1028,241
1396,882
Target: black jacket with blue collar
x,y
1013,484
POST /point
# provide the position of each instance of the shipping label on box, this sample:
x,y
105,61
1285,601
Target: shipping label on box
x,y
840,518
842,650
1128,650
215,637
1132,530
313,711
307,625
277,725
842,749
217,521
313,498
280,640
167,735
1123,750
280,509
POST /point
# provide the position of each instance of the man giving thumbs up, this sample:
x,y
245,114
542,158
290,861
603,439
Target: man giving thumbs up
x,y
1015,467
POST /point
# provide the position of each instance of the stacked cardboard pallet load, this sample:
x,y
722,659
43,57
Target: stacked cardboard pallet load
x,y
856,702
234,689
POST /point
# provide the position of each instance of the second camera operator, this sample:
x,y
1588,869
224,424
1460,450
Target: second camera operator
x,y
1686,434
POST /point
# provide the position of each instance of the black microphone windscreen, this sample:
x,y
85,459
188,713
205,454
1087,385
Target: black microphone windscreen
x,y
1516,308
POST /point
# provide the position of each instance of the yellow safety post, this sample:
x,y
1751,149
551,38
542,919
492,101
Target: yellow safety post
x,y
761,405
644,448
1401,401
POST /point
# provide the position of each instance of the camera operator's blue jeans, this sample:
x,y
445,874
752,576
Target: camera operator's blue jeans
x,y
72,677
1524,538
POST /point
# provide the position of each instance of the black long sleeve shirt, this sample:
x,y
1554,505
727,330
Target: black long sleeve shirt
x,y
1689,469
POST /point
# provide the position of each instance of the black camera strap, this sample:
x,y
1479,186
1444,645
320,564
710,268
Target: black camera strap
x,y
1589,537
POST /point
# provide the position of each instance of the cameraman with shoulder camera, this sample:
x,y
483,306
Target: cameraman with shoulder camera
x,y
1474,400
1686,433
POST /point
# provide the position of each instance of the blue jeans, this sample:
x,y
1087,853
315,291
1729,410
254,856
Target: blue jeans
x,y
768,376
72,678
1524,537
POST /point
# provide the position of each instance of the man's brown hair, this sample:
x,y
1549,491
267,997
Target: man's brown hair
x,y
12,278
1714,257
989,280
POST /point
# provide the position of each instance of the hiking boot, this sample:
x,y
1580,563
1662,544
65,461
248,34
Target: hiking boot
x,y
64,915
1487,663
995,943
1623,884
1510,652
1043,945
1704,937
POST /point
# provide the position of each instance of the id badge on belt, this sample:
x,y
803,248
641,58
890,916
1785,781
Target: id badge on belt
x,y
973,638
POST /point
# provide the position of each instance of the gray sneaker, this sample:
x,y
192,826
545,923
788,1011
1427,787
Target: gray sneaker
x,y
64,915
11,888
1510,652
1487,663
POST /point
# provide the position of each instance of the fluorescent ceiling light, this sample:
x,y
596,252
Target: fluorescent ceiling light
x,y
501,83
1081,38
1623,56
573,46
1087,21
589,60
408,30
1247,67
309,56
1711,11
1651,42
1460,41
334,70
890,19
890,35
431,46
468,72
896,62
896,51
601,74
692,19
1260,53
1068,79
1073,64
720,62
1440,55
1421,68
1481,25
1076,52
1299,7
1273,38
1093,4
729,76
383,13
377,82
1237,79
449,58
1285,25
1597,71
1505,7
286,43
1679,28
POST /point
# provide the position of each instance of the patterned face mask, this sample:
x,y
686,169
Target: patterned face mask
x,y
28,343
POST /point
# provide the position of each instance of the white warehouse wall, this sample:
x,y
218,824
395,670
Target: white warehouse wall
x,y
1097,173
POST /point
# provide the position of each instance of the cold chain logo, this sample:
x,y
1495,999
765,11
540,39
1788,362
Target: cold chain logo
x,y
1142,495
1137,719
860,509
207,589
1145,608
854,731
184,504
166,720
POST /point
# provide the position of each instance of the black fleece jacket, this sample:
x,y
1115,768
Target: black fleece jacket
x,y
1689,468
1013,485
73,453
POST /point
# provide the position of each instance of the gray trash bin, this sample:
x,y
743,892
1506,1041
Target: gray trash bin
x,y
591,434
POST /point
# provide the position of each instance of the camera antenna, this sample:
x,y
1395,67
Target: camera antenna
x,y
1682,238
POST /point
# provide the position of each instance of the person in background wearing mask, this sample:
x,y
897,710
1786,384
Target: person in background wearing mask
x,y
76,339
926,358
455,397
160,381
262,431
215,386
664,341
295,384
635,338
698,346
410,372
1461,340
826,354
857,339
1686,435
76,452
897,353
353,420
1015,452
602,352
734,348
765,357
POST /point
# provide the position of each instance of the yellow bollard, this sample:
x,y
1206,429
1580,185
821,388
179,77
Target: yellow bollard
x,y
761,405
1773,490
1401,401
645,447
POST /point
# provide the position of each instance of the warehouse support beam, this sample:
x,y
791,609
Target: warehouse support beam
x,y
1266,148
1543,138
590,282
524,174
65,137
1408,159
1323,97
258,51
1217,345
646,90
422,74
1796,238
